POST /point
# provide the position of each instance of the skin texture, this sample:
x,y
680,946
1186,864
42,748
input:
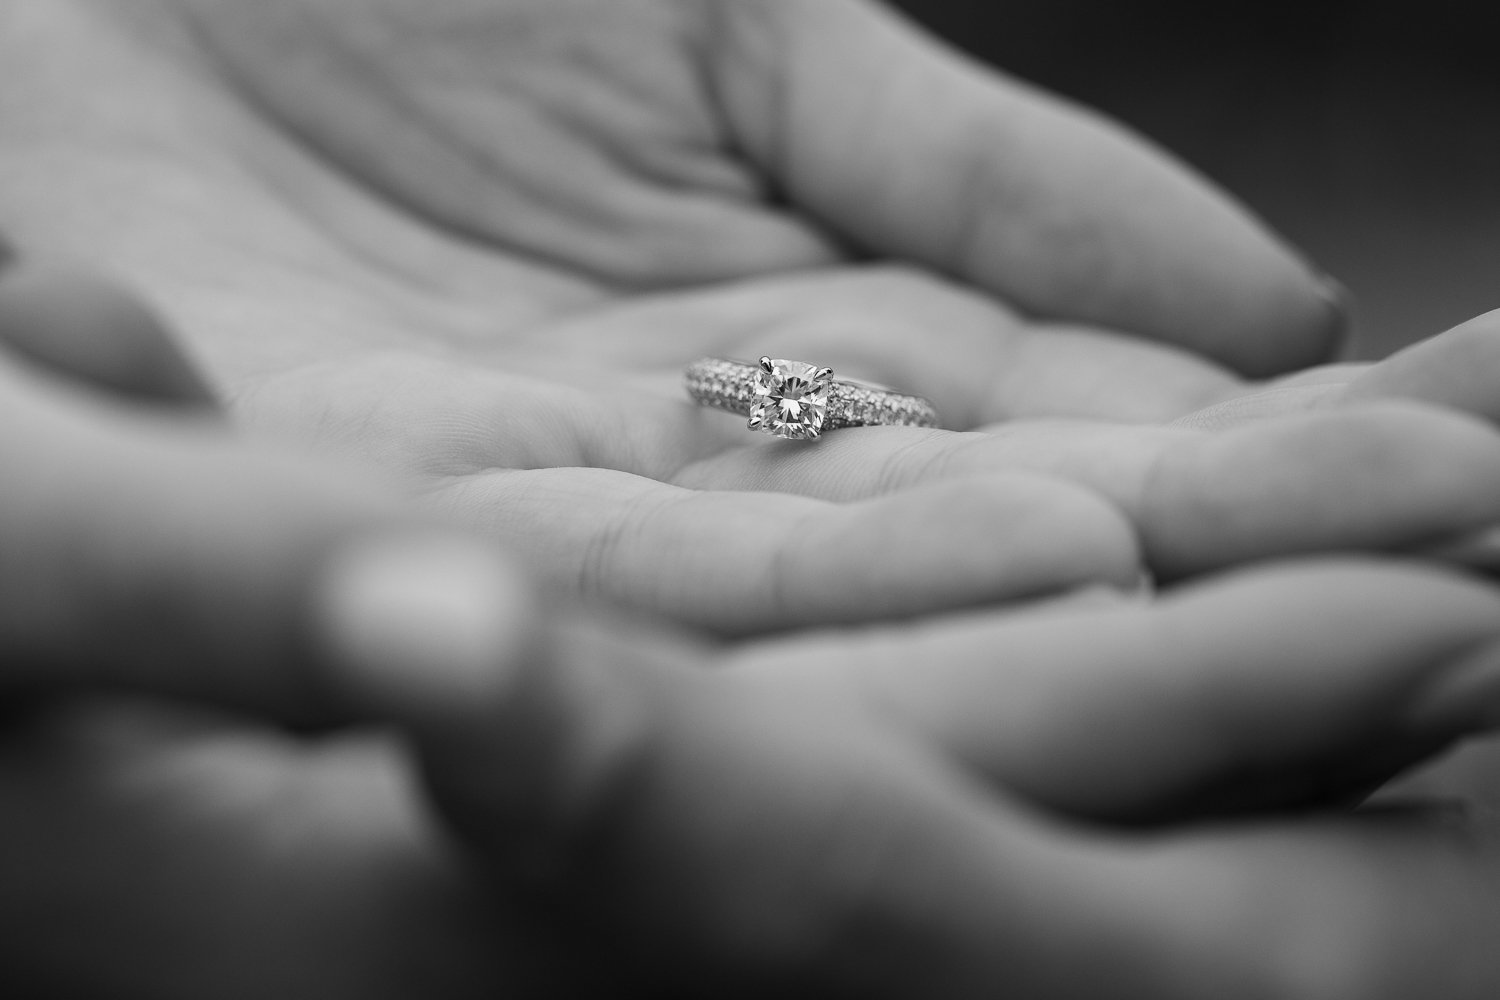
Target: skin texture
x,y
663,198
833,813
474,242
345,311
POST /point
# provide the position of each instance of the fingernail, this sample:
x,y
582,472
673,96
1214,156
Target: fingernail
x,y
423,625
1465,699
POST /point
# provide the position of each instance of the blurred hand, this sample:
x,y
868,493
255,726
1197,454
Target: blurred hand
x,y
866,813
813,846
476,241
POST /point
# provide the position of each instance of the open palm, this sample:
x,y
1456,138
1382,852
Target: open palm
x,y
476,240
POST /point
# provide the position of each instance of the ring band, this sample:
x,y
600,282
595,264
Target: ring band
x,y
799,401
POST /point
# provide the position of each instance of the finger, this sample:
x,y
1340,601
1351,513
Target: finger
x,y
1377,907
916,154
83,328
1386,477
716,831
751,562
1455,369
719,837
437,420
975,359
1460,368
1391,477
733,563
165,558
1280,687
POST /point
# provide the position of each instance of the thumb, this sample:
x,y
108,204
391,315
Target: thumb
x,y
913,152
166,558
163,556
79,326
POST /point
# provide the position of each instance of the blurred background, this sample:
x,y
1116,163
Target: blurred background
x,y
1366,132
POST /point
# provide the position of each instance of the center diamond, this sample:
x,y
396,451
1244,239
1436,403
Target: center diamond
x,y
791,399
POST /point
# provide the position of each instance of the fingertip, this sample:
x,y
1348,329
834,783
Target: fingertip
x,y
1383,476
1212,277
418,627
76,324
1457,369
1305,322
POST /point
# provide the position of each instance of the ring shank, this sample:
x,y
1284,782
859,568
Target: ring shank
x,y
730,385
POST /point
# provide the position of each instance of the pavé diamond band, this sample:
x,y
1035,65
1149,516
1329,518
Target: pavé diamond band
x,y
798,401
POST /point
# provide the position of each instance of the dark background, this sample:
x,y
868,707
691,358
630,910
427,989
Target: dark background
x,y
1367,133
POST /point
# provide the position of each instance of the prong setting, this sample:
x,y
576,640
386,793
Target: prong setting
x,y
798,401
790,399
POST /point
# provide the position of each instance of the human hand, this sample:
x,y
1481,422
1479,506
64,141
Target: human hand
x,y
152,844
773,815
746,832
491,368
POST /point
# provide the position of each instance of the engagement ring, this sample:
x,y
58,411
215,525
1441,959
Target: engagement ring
x,y
798,401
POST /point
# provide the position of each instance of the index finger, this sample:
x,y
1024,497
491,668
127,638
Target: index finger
x,y
916,153
1281,686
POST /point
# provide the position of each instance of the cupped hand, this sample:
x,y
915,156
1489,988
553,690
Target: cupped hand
x,y
742,822
859,813
476,242
167,832
864,813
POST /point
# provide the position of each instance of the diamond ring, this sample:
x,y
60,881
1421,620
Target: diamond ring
x,y
798,401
